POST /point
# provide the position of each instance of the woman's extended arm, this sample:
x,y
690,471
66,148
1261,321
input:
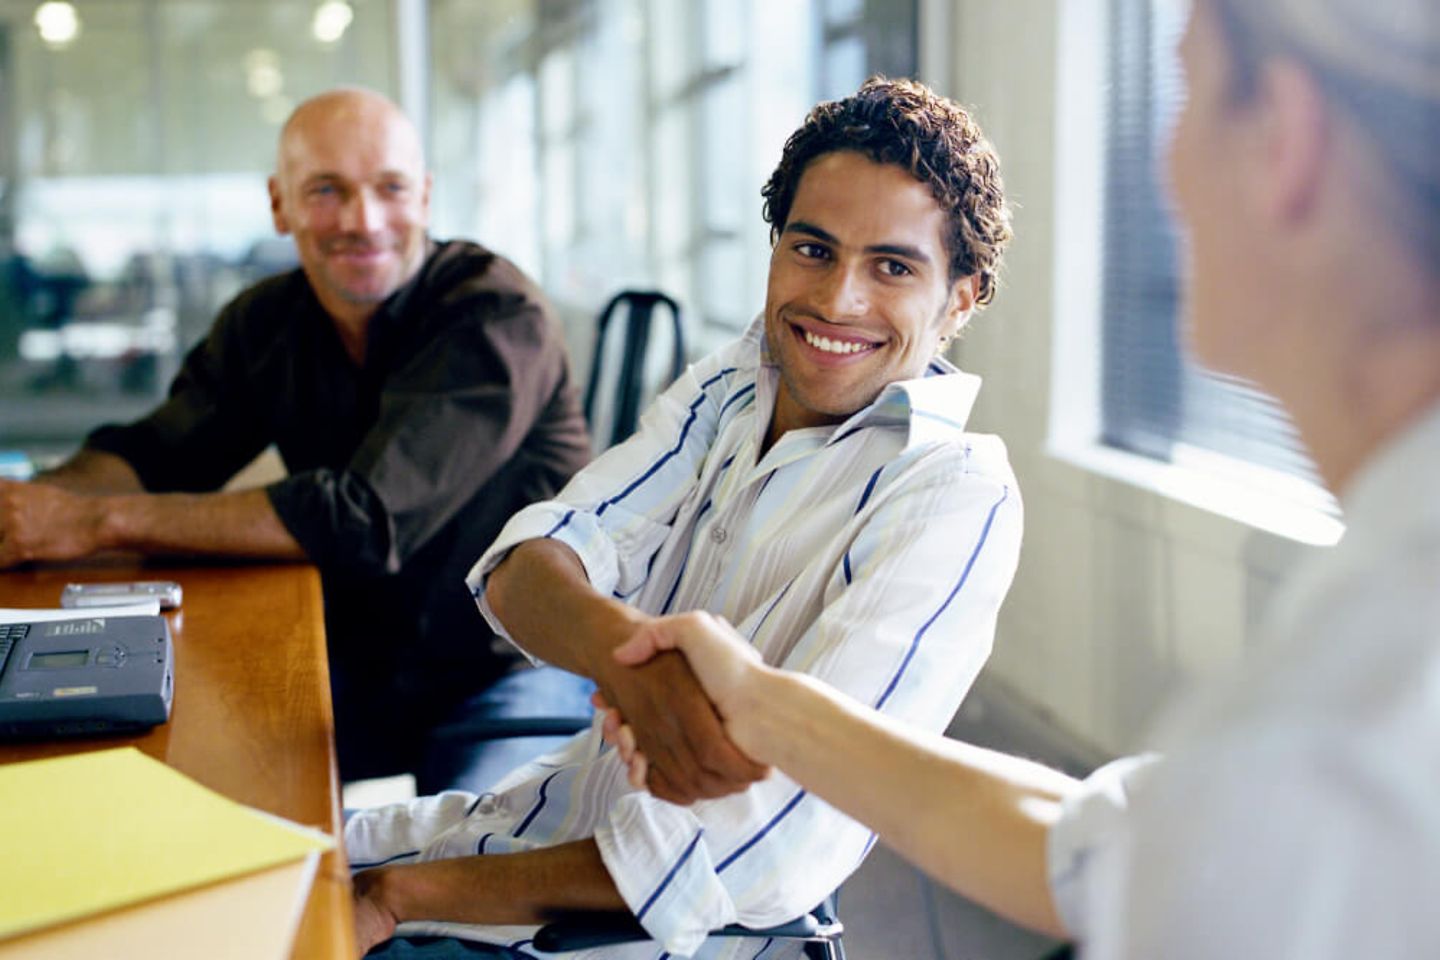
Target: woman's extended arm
x,y
976,819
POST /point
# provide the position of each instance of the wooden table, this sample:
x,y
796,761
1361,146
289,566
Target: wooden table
x,y
251,717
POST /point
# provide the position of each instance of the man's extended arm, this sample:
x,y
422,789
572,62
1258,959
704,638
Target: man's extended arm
x,y
905,629
541,594
39,521
528,887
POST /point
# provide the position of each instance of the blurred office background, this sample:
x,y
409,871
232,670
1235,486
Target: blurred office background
x,y
612,143
599,143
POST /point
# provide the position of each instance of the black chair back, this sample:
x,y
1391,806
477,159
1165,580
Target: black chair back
x,y
819,932
634,343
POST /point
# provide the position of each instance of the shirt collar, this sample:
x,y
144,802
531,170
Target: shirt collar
x,y
388,318
1395,491
1391,502
932,407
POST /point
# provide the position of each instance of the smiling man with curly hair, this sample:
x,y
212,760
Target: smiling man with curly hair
x,y
814,484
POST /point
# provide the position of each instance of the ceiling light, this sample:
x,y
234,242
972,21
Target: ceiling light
x,y
276,110
263,77
58,23
261,57
264,81
331,19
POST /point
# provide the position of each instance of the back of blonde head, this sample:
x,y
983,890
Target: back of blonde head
x,y
1379,61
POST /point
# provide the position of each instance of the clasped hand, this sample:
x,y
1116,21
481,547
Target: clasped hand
x,y
682,744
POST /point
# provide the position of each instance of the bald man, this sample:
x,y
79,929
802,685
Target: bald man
x,y
419,394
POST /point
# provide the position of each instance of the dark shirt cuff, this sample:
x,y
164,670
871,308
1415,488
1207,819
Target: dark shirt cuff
x,y
338,520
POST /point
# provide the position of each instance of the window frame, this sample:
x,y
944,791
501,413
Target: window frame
x,y
1262,497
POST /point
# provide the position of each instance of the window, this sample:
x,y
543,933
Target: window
x,y
598,143
644,134
133,159
1153,400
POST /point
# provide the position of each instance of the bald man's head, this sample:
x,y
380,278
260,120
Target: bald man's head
x,y
350,184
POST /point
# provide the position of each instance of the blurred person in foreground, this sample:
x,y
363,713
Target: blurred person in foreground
x,y
418,393
1293,812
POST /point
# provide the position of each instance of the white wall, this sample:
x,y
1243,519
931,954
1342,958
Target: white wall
x,y
1122,593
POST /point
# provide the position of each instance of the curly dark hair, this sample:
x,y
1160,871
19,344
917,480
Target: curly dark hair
x,y
906,123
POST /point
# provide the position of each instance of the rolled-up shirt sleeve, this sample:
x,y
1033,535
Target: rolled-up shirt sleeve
x,y
336,517
449,419
1088,837
905,627
617,512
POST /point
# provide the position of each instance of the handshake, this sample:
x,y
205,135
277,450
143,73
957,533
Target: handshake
x,y
667,753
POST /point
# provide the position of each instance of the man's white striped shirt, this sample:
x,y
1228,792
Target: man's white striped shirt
x,y
873,555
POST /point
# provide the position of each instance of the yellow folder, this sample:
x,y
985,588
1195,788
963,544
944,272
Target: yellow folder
x,y
95,831
253,917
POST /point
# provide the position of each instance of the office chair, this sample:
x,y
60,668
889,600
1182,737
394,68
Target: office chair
x,y
629,379
505,728
462,752
820,930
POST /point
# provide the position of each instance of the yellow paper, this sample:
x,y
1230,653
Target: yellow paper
x,y
95,831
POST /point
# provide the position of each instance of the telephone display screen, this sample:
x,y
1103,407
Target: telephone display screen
x,y
59,659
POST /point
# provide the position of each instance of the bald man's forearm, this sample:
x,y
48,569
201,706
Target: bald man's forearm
x,y
93,471
238,524
42,522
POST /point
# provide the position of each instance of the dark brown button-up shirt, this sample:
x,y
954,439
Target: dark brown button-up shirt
x,y
401,473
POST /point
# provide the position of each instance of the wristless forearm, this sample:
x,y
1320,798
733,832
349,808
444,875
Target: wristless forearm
x,y
226,524
974,818
529,887
541,594
95,472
